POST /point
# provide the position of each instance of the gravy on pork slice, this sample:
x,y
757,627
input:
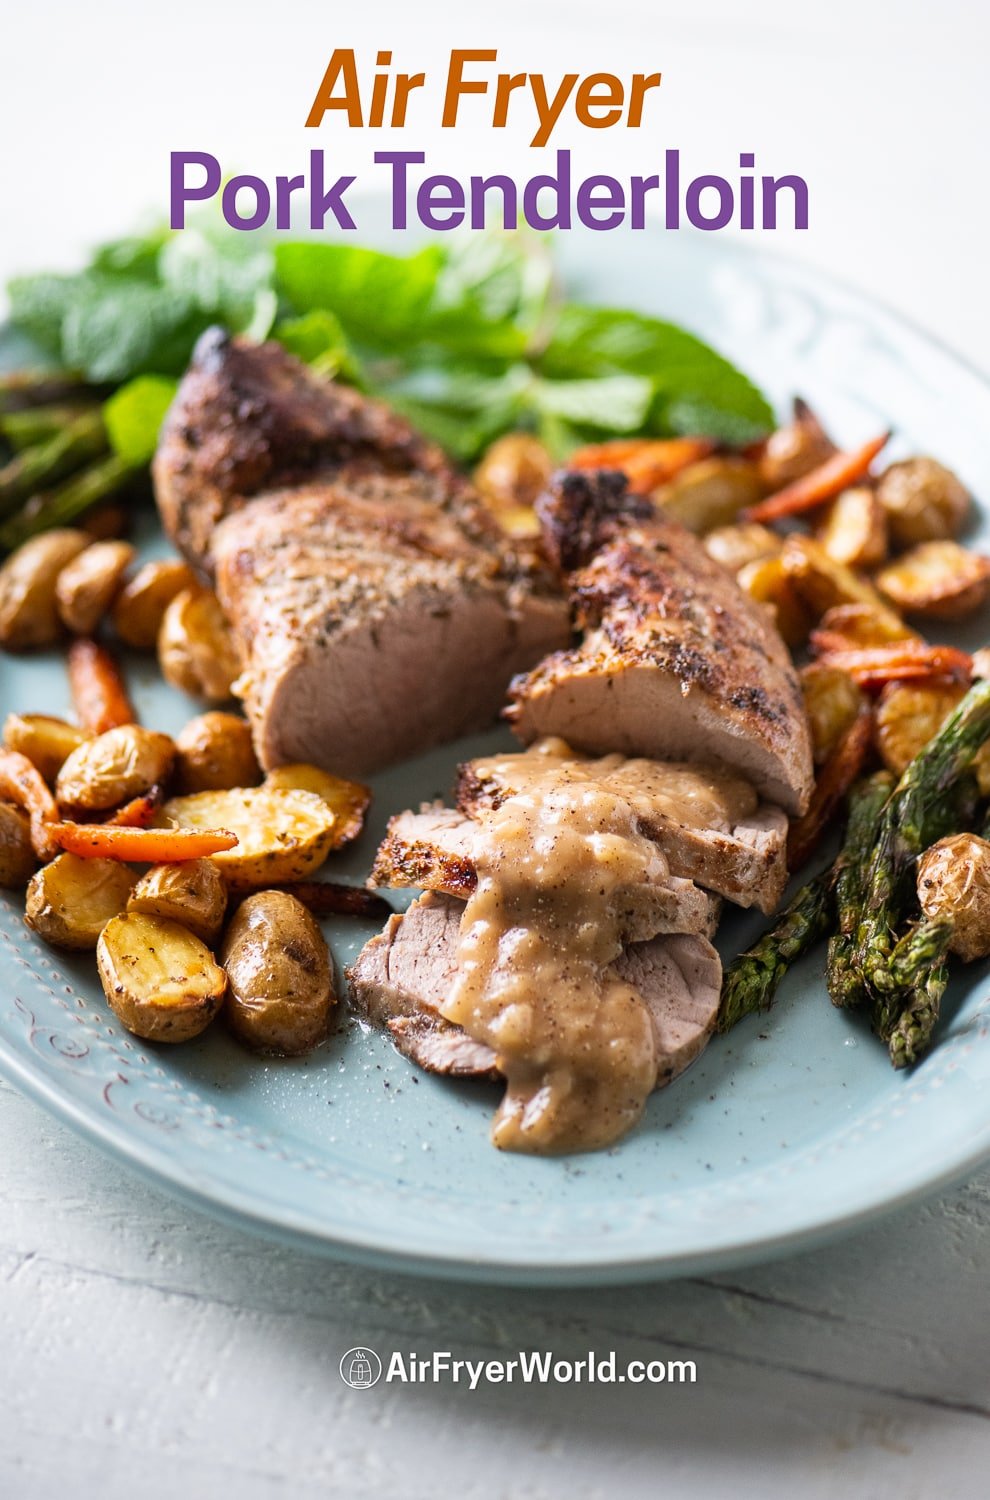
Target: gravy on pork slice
x,y
562,876
695,795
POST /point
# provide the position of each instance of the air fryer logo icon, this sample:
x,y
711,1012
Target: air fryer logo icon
x,y
360,1368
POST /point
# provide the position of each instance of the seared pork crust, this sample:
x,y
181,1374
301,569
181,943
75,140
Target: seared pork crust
x,y
675,661
250,417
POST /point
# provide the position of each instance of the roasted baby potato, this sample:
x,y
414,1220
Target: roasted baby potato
x,y
70,901
280,989
347,800
710,493
513,471
854,531
28,610
113,767
821,582
140,606
216,753
196,650
88,585
17,858
282,835
735,546
768,582
832,701
954,884
908,715
47,742
794,450
159,980
924,501
938,579
861,625
192,893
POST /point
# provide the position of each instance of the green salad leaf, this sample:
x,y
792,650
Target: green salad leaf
x,y
469,337
134,414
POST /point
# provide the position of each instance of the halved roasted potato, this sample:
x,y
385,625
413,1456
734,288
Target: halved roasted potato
x,y
113,767
347,800
854,531
909,715
954,885
710,493
861,625
88,585
735,546
512,472
46,741
821,582
282,835
70,900
196,649
28,611
939,579
159,980
140,606
280,978
216,753
192,893
832,702
795,449
17,857
767,581
924,501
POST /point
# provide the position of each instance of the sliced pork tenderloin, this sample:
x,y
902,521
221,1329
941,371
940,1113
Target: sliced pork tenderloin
x,y
434,850
374,620
675,662
402,977
741,856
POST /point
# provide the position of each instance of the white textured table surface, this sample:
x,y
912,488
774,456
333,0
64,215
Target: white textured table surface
x,y
147,1351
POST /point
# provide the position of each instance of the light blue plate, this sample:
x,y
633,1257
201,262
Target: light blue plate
x,y
790,1130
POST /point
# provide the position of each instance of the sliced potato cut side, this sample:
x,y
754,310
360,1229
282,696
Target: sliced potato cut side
x,y
159,979
282,834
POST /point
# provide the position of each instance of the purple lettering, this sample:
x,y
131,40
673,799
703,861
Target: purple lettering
x,y
180,194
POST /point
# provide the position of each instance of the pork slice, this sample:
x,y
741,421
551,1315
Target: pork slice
x,y
401,978
745,862
249,418
434,850
373,620
675,662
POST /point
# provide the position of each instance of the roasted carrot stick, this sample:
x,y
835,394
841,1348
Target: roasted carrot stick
x,y
153,846
873,666
22,783
328,898
98,689
824,483
646,462
837,775
140,812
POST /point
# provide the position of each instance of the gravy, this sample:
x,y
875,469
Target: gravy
x,y
564,875
695,795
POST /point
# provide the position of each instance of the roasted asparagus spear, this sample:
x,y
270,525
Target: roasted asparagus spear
x,y
751,980
912,1029
924,807
866,803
